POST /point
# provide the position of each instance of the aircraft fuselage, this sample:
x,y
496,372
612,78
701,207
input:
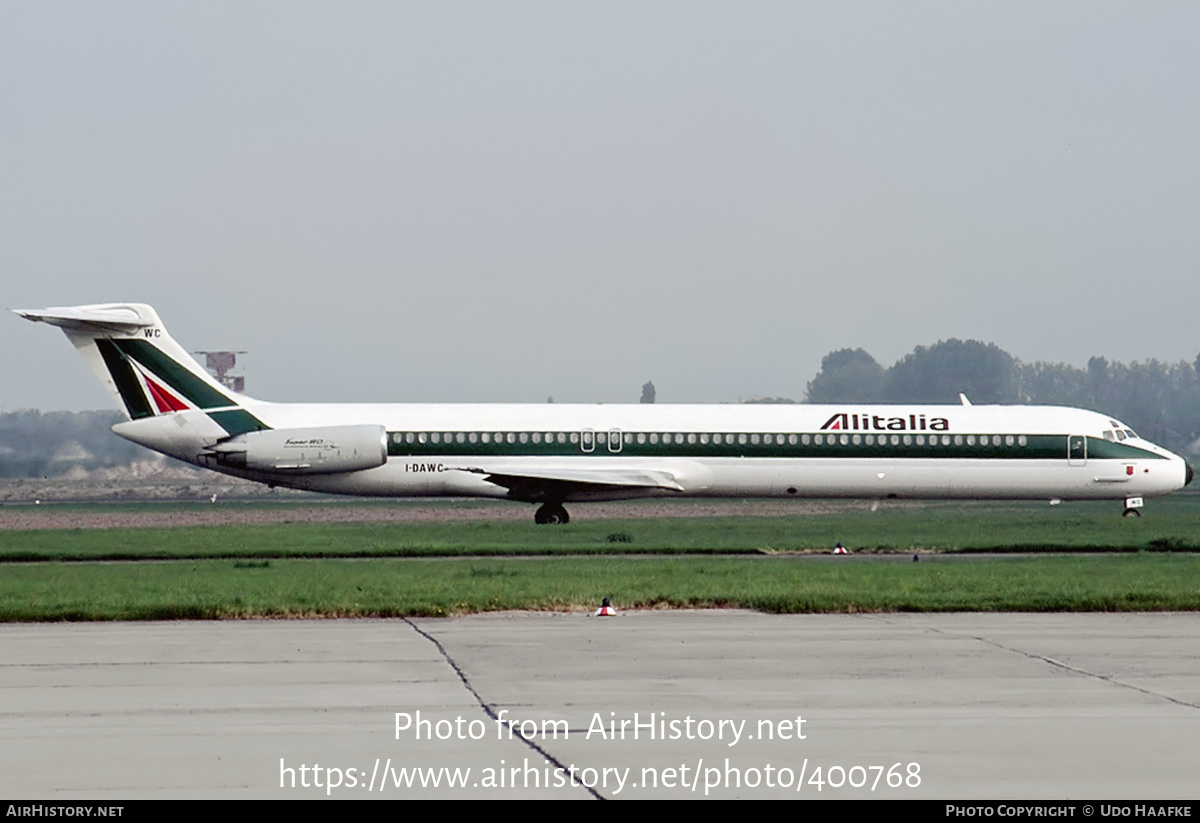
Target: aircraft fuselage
x,y
556,453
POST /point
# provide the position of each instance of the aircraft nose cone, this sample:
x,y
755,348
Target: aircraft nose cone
x,y
1187,473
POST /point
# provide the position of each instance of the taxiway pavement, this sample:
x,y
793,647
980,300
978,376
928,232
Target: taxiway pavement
x,y
721,704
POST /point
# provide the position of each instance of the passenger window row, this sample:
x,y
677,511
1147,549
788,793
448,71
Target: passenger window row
x,y
601,437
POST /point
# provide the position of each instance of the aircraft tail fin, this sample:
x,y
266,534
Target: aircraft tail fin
x,y
129,349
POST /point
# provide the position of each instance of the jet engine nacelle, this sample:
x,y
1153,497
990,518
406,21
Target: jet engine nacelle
x,y
325,450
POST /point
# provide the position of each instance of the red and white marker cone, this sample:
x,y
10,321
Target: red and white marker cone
x,y
840,549
606,609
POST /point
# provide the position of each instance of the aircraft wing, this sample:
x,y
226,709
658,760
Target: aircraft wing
x,y
534,483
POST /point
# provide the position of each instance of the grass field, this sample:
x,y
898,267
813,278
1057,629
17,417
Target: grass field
x,y
451,567
211,589
1170,523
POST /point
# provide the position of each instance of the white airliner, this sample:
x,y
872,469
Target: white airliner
x,y
550,454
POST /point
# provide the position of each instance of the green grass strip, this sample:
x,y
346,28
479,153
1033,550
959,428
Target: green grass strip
x,y
1171,524
215,589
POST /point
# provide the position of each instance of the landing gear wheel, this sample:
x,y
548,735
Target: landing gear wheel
x,y
1131,513
551,514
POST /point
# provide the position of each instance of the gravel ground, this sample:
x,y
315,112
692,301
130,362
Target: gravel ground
x,y
97,515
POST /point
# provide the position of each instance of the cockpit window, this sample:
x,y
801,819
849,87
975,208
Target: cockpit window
x,y
1123,431
1108,435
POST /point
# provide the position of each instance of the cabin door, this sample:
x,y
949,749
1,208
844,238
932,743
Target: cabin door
x,y
1076,450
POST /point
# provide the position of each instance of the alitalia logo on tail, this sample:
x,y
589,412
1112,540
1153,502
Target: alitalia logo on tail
x,y
151,382
843,421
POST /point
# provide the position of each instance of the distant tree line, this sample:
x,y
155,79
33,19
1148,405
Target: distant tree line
x,y
33,444
1161,401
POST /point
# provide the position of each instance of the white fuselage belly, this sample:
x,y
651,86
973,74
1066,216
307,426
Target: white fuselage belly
x,y
775,477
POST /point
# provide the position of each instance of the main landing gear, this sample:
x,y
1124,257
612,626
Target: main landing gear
x,y
551,513
1133,507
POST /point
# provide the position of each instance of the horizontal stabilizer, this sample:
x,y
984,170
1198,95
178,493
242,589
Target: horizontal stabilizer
x,y
94,319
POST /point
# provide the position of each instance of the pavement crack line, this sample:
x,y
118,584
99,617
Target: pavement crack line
x,y
487,709
1109,679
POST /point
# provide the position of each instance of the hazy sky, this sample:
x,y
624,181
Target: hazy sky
x,y
509,200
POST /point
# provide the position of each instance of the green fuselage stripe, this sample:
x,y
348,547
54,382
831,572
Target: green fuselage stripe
x,y
1037,447
237,421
